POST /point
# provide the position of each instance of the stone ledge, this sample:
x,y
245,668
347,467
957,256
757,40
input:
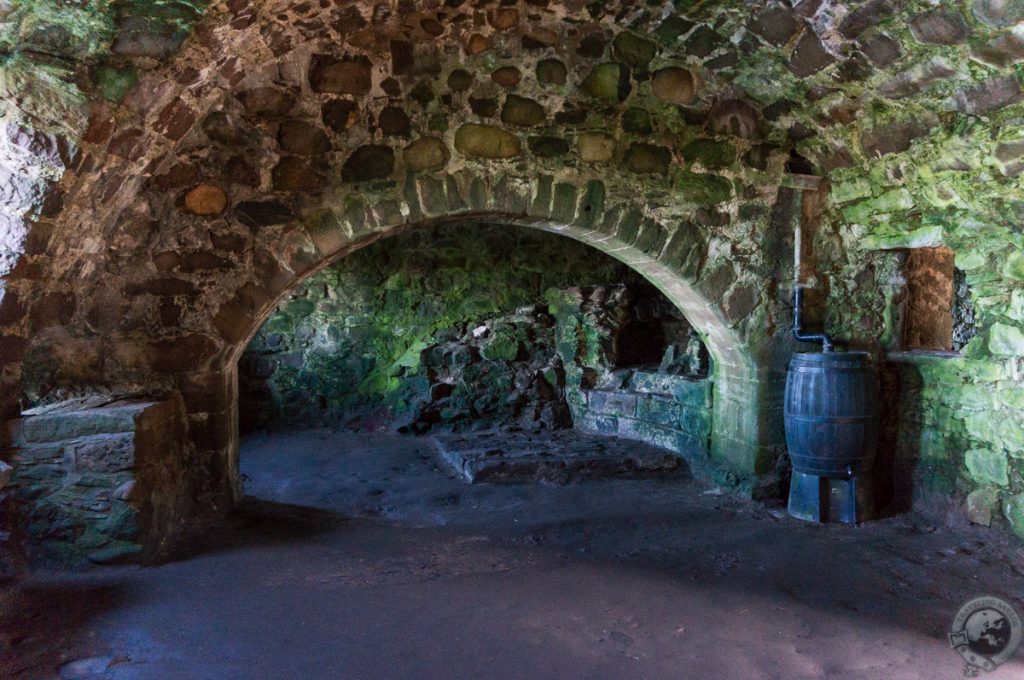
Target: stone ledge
x,y
559,456
921,356
78,418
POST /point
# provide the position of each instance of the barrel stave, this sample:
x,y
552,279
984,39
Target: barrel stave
x,y
831,413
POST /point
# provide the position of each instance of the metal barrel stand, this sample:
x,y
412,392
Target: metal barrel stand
x,y
830,499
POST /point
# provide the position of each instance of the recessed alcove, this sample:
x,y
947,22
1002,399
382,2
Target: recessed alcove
x,y
935,311
462,329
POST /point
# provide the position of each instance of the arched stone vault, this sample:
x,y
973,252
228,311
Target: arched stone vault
x,y
669,260
267,149
687,111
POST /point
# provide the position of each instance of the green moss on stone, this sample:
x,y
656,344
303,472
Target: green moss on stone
x,y
608,82
710,153
987,467
1006,340
114,82
704,189
1013,509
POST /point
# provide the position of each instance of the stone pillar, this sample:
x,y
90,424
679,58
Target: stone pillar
x,y
101,479
211,405
748,436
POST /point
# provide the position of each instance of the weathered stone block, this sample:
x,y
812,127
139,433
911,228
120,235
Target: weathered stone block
x,y
990,96
486,141
608,82
674,85
507,77
1013,509
522,111
102,453
338,76
980,505
107,451
864,17
776,24
551,72
256,214
1006,340
597,424
302,138
634,50
59,426
425,154
368,162
659,410
940,27
595,147
293,173
695,421
646,158
987,467
613,403
809,56
206,199
563,207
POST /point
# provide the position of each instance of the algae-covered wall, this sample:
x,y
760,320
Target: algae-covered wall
x,y
926,149
464,327
363,342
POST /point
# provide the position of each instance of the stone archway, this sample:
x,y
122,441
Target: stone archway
x,y
161,252
671,260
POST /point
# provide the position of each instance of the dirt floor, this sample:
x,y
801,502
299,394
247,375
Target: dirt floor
x,y
365,559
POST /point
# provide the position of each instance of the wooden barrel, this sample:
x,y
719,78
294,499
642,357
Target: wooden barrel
x,y
831,413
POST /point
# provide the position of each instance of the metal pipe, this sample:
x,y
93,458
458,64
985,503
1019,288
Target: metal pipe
x,y
798,236
798,287
798,333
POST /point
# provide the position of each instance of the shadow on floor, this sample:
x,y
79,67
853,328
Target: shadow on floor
x,y
38,619
256,521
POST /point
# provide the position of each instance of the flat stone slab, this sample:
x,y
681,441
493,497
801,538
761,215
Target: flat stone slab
x,y
559,456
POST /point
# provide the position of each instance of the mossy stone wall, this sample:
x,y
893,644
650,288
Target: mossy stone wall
x,y
356,344
912,109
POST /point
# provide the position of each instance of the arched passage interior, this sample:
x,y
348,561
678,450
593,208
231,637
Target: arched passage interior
x,y
609,311
478,329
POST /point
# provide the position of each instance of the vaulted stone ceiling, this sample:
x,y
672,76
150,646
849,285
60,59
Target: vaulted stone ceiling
x,y
162,161
844,83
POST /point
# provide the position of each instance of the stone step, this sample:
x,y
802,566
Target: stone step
x,y
561,456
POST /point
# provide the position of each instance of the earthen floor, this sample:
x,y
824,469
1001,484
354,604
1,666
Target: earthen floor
x,y
359,556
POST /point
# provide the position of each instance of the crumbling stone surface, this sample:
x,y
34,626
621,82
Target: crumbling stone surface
x,y
560,457
609,388
101,479
390,338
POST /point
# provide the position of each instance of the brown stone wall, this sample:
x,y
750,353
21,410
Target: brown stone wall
x,y
928,307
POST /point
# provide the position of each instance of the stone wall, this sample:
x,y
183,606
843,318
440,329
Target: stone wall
x,y
673,412
422,328
282,137
668,404
101,480
448,329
